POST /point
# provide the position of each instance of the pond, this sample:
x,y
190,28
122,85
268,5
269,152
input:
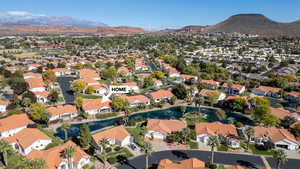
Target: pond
x,y
170,113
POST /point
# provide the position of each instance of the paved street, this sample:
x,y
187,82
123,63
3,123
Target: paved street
x,y
250,161
64,83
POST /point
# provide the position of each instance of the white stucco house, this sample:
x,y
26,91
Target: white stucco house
x,y
159,129
116,136
205,130
13,124
28,139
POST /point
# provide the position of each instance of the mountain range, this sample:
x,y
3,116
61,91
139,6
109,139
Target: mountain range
x,y
26,23
24,18
256,24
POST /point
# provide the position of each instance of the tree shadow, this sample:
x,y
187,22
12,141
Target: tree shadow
x,y
122,160
180,154
246,164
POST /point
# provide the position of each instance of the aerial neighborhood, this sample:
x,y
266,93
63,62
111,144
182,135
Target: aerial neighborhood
x,y
189,100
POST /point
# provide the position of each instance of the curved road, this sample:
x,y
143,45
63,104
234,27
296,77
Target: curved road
x,y
250,161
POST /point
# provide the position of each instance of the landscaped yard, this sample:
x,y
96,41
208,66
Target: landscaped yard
x,y
222,147
135,132
255,150
89,96
193,145
122,154
193,118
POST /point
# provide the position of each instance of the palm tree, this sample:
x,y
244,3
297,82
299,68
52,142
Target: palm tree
x,y
198,101
249,133
103,143
65,127
185,134
147,149
68,153
213,142
280,157
126,116
4,148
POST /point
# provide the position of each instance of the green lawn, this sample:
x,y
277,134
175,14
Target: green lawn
x,y
255,150
193,145
135,132
193,118
89,96
122,154
222,148
55,140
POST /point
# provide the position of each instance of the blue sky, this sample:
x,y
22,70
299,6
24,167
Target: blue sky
x,y
156,14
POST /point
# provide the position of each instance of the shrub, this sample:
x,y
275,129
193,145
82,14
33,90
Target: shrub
x,y
112,160
108,149
105,115
118,148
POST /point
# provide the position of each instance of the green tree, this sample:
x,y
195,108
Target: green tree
x,y
109,73
260,101
65,127
280,157
180,91
14,111
39,113
213,97
213,142
78,102
158,75
259,112
119,104
85,137
104,143
148,82
147,149
4,148
68,153
18,85
54,96
90,89
270,120
38,163
296,130
78,85
238,104
49,76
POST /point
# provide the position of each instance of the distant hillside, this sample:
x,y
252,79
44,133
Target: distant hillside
x,y
25,18
256,24
26,29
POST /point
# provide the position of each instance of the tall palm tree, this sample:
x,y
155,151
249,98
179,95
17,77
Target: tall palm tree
x,y
126,116
249,133
4,148
65,127
198,101
213,142
68,153
103,143
280,157
185,134
147,149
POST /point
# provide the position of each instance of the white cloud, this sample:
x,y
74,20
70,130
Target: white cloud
x,y
20,13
